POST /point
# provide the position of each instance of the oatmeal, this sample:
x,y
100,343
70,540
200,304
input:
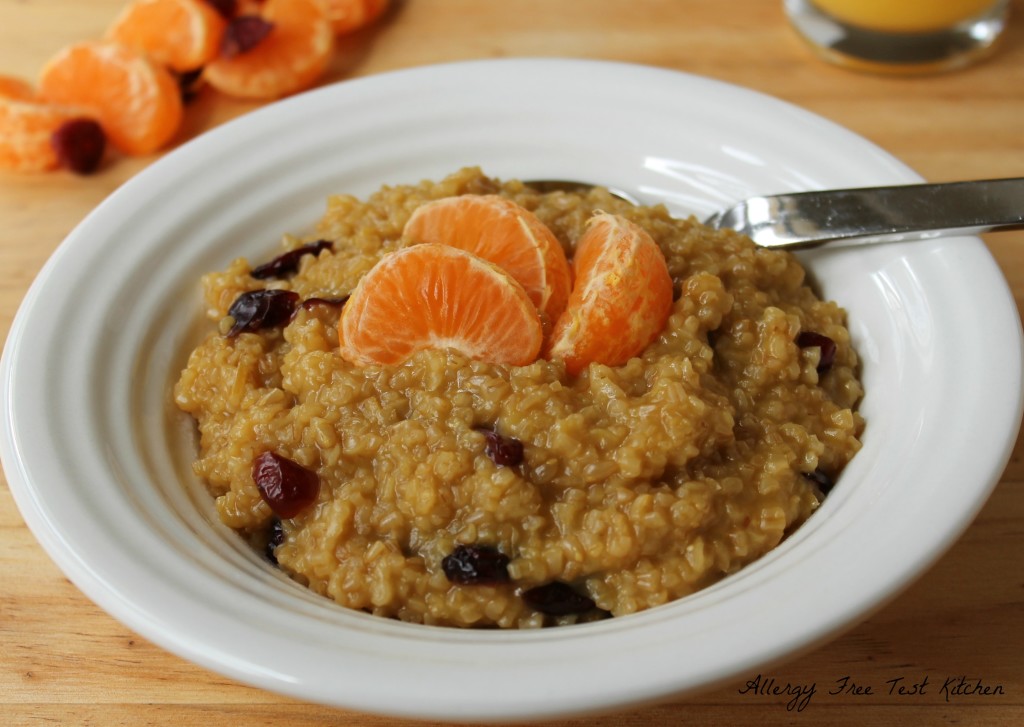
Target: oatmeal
x,y
459,492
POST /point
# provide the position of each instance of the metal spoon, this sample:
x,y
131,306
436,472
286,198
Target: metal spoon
x,y
863,215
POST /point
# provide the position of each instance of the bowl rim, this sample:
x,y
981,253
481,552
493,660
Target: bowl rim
x,y
641,636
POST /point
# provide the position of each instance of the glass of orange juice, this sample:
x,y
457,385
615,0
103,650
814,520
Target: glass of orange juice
x,y
908,36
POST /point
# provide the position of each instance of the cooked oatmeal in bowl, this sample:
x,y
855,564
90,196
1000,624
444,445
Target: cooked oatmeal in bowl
x,y
446,486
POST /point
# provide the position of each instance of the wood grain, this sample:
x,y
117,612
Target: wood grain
x,y
64,661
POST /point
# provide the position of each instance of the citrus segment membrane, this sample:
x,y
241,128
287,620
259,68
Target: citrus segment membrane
x,y
501,231
292,56
181,34
434,296
621,298
136,100
27,127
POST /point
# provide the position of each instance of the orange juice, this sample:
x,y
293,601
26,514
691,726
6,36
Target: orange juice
x,y
904,16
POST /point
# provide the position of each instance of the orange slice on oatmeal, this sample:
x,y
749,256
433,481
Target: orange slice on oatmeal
x,y
181,34
27,126
620,301
293,54
135,99
499,230
434,296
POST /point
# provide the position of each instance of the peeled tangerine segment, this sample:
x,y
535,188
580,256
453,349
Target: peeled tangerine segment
x,y
621,298
501,231
136,100
434,296
27,126
291,58
183,35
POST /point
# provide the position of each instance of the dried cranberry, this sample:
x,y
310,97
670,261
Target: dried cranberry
x,y
310,303
557,599
276,538
475,565
287,263
288,487
810,339
503,451
227,8
79,144
243,34
259,309
822,480
188,84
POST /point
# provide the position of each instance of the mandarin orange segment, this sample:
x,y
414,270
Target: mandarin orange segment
x,y
621,298
181,34
349,15
16,89
27,126
135,99
291,58
499,230
435,296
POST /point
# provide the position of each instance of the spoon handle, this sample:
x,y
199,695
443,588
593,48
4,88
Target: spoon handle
x,y
878,214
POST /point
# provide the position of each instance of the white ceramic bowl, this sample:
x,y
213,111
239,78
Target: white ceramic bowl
x,y
101,472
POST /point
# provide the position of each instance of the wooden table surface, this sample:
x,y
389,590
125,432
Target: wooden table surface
x,y
64,661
